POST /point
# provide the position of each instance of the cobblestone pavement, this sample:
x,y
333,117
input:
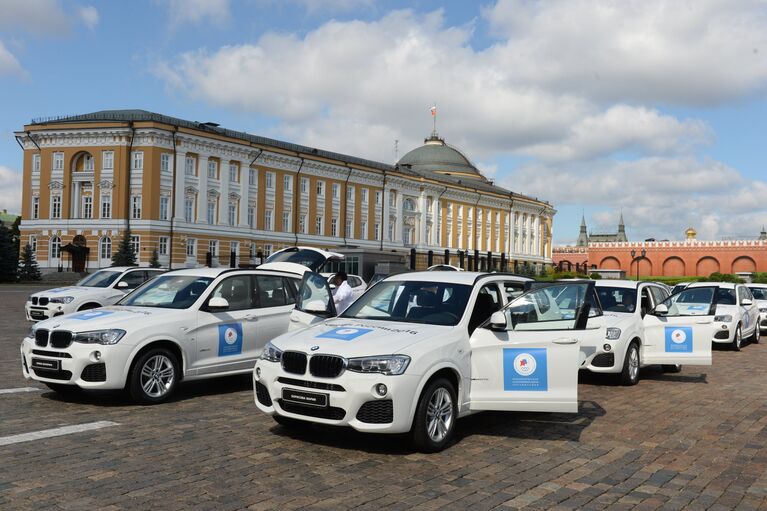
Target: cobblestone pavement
x,y
690,440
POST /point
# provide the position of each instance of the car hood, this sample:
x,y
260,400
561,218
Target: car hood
x,y
727,309
358,338
104,318
760,303
73,291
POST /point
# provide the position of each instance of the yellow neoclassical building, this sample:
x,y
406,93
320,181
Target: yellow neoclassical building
x,y
196,193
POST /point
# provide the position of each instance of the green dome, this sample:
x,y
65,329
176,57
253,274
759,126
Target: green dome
x,y
436,156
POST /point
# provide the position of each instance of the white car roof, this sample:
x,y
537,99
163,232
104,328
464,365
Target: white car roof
x,y
723,285
123,268
453,277
215,272
632,284
762,286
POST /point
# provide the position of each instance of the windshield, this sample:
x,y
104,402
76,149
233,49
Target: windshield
x,y
103,278
168,292
309,258
433,303
760,293
617,299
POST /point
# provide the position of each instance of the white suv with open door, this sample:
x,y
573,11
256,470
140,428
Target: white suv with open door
x,y
103,287
737,316
183,325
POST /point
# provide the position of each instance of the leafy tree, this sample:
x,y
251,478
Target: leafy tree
x,y
28,269
125,256
595,276
723,277
9,255
154,261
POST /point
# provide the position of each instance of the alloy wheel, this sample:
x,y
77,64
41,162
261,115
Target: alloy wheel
x,y
157,376
439,415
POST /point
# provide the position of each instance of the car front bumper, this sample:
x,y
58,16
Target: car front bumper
x,y
763,321
37,313
724,333
599,360
90,366
351,398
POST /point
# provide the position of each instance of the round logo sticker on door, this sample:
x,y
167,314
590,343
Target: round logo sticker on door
x,y
678,336
524,364
230,336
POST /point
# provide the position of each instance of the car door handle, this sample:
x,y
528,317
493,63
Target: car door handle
x,y
566,340
704,322
250,317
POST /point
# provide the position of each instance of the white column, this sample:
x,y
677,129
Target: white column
x,y
398,224
179,168
384,215
223,201
202,194
245,192
422,220
436,225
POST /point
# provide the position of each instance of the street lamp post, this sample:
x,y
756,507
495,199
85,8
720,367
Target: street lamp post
x,y
636,259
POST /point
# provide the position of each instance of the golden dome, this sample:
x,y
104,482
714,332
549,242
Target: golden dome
x,y
690,233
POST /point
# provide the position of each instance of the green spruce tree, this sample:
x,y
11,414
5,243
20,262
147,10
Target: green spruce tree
x,y
154,262
9,255
28,269
125,256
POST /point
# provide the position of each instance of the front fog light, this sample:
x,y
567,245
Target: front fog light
x,y
607,347
258,372
96,356
381,389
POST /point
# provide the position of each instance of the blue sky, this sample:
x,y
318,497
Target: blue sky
x,y
654,108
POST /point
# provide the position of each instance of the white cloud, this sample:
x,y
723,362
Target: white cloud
x,y
195,12
8,63
41,17
89,15
10,192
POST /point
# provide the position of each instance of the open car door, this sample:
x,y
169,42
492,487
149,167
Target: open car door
x,y
526,357
314,303
680,329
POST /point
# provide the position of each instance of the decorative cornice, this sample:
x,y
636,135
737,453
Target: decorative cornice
x,y
56,185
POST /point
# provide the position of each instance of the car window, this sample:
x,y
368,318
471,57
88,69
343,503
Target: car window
x,y
759,293
291,287
617,299
725,296
272,291
237,290
553,307
102,278
169,292
658,294
133,278
513,290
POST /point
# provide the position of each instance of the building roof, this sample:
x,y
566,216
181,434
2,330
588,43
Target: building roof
x,y
8,218
438,162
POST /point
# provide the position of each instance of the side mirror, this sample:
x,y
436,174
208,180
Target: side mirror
x,y
218,304
332,286
498,320
746,302
661,309
122,285
316,307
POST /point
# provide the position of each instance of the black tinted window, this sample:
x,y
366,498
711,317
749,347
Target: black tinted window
x,y
272,291
725,296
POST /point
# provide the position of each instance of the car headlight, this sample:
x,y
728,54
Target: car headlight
x,y
111,336
385,364
31,333
61,299
613,334
271,353
724,318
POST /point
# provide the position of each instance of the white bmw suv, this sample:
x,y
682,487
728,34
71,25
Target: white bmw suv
x,y
737,316
104,287
759,292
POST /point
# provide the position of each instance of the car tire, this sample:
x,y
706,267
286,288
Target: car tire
x,y
154,376
435,417
672,368
755,336
63,388
737,340
290,422
630,373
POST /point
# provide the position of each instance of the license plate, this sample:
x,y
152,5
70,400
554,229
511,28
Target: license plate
x,y
305,398
44,363
37,315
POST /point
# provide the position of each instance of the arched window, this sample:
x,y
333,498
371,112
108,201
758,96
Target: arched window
x,y
408,205
55,248
105,247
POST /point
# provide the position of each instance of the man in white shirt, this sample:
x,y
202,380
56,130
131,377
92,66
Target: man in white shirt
x,y
342,294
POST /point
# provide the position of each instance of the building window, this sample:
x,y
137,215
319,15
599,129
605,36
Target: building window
x,y
252,250
136,207
35,208
213,248
334,227
162,246
87,206
304,185
348,228
378,198
251,176
391,231
58,161
56,206
270,180
105,248
36,163
268,225
336,191
33,243
211,212
235,248
267,251
233,173
189,165
377,232
287,183
429,203
135,243
191,247
137,160
232,213
302,224
318,225
392,199
251,217
106,206
364,195
188,209
164,207
286,222
349,193
107,160
165,163
364,230
320,189
212,169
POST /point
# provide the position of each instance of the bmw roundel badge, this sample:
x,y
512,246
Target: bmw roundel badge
x,y
315,348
